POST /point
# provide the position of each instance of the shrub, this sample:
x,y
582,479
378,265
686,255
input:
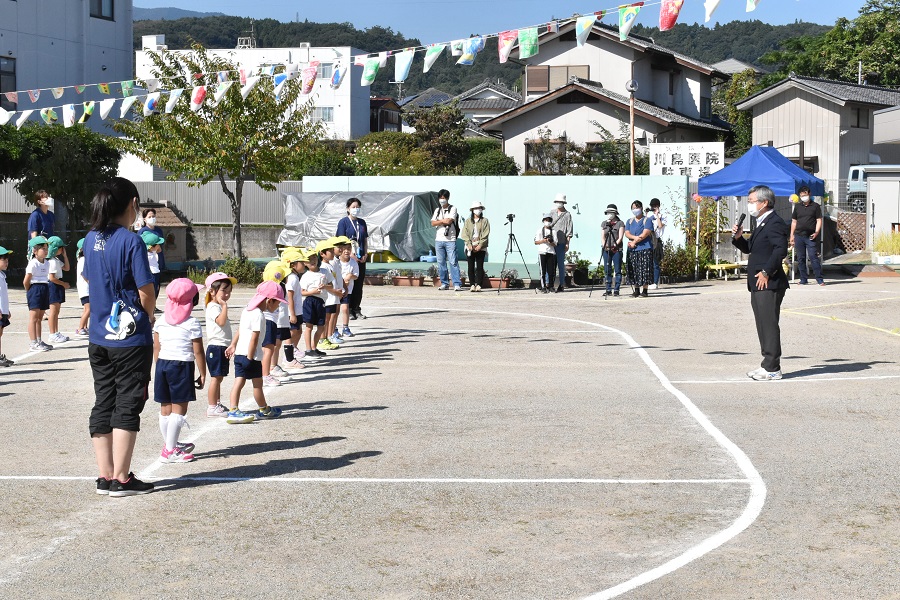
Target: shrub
x,y
490,162
242,269
325,159
481,145
887,243
678,262
197,275
389,153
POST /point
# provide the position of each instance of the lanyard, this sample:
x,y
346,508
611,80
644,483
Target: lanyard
x,y
355,228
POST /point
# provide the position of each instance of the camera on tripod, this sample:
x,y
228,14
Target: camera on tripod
x,y
510,217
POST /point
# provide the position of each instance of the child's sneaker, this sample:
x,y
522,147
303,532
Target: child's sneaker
x,y
186,447
81,333
103,486
58,338
130,487
310,356
5,362
269,381
294,365
216,411
346,332
318,353
44,346
278,372
236,415
175,455
269,412
336,339
324,344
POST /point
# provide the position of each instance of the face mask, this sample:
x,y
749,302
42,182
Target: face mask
x,y
477,212
753,210
547,223
637,212
443,201
150,221
354,211
559,204
610,217
804,199
48,202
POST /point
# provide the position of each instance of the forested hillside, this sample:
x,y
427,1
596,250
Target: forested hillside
x,y
168,14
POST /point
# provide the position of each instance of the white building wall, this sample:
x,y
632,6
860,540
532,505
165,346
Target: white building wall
x,y
56,43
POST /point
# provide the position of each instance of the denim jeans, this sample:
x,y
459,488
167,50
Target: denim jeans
x,y
561,263
614,260
805,247
446,253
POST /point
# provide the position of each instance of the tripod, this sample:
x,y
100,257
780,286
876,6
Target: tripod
x,y
509,248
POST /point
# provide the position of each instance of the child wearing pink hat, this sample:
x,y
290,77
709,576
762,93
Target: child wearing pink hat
x,y
177,346
248,353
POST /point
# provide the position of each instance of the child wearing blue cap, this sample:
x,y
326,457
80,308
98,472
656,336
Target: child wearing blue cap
x,y
37,291
4,301
59,262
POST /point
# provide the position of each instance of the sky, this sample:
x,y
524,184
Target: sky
x,y
445,20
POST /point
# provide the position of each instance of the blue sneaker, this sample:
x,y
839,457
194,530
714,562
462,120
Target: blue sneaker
x,y
346,332
238,416
336,339
269,412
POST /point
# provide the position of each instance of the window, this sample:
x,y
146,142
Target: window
x,y
7,82
324,71
859,118
103,9
671,83
705,107
324,114
545,78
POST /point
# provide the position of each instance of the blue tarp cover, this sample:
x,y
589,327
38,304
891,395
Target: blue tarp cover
x,y
761,165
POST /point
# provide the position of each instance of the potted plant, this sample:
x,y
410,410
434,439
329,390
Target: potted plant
x,y
433,274
577,267
407,277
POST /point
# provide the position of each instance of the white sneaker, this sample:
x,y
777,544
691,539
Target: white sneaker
x,y
457,289
294,365
767,376
269,381
58,338
653,286
754,372
277,371
216,411
444,287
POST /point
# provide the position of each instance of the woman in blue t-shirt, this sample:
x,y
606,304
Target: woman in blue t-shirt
x,y
640,250
41,221
355,228
120,345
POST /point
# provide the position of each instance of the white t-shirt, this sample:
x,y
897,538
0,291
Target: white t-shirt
x,y
153,259
251,320
216,335
40,271
4,294
444,213
282,316
56,267
351,267
311,280
328,271
546,247
293,285
176,341
80,282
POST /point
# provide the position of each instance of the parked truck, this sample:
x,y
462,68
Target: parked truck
x,y
858,185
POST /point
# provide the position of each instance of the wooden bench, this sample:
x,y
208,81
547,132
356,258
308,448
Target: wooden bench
x,y
723,268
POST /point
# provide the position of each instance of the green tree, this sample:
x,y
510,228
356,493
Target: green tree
x,y
725,100
260,138
390,153
490,162
440,133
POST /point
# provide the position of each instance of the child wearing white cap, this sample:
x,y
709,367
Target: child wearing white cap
x,y
545,240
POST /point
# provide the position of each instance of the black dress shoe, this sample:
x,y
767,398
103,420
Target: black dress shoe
x,y
560,289
607,293
353,314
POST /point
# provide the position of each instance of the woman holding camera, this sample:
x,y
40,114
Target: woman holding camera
x,y
475,234
545,240
640,249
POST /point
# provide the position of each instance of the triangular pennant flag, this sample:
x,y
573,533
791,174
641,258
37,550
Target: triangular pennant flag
x,y
105,107
360,60
553,27
711,6
270,70
278,89
309,78
528,42
127,88
174,95
337,75
151,104
246,89
471,48
402,64
57,92
600,14
198,95
668,14
5,116
583,28
751,5
627,17
382,59
278,82
12,97
505,42
103,87
22,118
221,91
152,84
88,111
79,89
293,69
127,103
34,95
68,115
431,55
242,73
370,71
223,76
49,115
456,47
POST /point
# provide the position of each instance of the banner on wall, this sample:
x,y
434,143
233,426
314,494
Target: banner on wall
x,y
694,160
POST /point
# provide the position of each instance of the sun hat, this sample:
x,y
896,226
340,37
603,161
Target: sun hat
x,y
4,251
55,243
80,244
547,216
276,270
560,197
214,277
325,245
37,241
152,239
180,295
477,204
611,208
292,255
341,240
267,290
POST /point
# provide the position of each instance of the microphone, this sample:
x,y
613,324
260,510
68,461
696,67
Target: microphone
x,y
741,220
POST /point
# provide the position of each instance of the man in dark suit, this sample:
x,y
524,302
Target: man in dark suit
x,y
766,280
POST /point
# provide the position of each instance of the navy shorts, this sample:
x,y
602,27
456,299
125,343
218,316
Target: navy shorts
x,y
38,296
216,362
298,326
57,293
247,368
85,300
314,311
174,381
283,333
345,299
269,338
4,322
331,309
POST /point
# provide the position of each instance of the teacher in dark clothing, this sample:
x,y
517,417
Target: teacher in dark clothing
x,y
356,229
767,247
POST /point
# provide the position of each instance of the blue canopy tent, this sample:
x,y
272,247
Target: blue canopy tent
x,y
761,165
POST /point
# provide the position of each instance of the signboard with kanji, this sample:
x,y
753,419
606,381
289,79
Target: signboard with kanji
x,y
695,160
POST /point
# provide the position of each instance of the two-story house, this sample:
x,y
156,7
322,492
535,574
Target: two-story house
x,y
568,88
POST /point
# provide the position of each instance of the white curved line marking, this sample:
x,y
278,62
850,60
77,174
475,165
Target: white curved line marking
x,y
757,486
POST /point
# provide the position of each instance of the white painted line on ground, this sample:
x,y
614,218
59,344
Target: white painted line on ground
x,y
810,379
17,359
480,331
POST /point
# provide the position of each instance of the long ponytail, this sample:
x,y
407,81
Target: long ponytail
x,y
111,201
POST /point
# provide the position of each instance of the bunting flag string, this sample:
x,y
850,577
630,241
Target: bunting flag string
x,y
5,116
583,28
57,92
711,6
88,111
431,55
751,5
402,63
68,111
627,17
668,14
505,43
338,71
174,95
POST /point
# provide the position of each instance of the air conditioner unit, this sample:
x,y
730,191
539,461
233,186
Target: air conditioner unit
x,y
303,57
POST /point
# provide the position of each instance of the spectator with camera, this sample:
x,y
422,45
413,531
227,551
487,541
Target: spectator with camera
x,y
545,240
445,220
562,227
612,230
475,234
